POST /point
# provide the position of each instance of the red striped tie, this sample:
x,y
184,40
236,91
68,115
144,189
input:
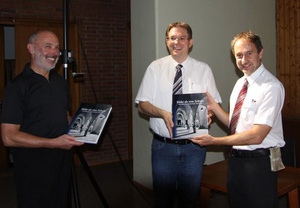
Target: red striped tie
x,y
237,109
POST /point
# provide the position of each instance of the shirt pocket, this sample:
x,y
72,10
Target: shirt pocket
x,y
249,110
193,87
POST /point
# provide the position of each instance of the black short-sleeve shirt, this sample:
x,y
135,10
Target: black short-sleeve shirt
x,y
38,105
40,108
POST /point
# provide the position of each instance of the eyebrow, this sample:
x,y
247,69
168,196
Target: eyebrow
x,y
48,43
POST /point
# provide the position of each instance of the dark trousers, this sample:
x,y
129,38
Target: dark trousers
x,y
251,183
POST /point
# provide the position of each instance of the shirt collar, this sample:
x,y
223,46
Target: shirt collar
x,y
29,72
175,63
251,79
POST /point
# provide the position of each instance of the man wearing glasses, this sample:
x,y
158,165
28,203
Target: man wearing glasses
x,y
176,164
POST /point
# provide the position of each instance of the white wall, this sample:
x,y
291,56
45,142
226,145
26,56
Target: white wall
x,y
9,42
214,24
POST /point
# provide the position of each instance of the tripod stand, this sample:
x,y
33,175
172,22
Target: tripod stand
x,y
91,177
66,59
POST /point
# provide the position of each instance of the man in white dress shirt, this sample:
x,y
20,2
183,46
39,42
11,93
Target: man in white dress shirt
x,y
176,164
251,182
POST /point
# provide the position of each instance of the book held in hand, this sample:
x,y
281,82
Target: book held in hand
x,y
189,115
89,121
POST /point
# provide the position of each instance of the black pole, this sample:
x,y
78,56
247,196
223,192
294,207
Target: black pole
x,y
65,73
91,177
81,157
65,34
75,188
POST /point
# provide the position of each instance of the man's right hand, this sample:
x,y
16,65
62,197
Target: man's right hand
x,y
66,142
148,109
168,119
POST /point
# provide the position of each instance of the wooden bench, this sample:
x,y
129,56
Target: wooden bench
x,y
214,178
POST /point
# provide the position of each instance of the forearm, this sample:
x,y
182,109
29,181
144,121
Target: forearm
x,y
244,138
12,137
217,110
148,109
256,135
222,115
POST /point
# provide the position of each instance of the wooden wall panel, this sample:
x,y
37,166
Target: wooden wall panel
x,y
288,67
288,54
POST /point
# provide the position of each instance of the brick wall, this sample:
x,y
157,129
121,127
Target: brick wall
x,y
103,25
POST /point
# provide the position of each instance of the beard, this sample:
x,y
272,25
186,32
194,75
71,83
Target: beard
x,y
41,61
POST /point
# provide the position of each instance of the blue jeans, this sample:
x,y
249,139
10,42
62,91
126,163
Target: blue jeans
x,y
176,168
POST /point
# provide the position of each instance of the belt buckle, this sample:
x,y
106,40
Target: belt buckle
x,y
235,153
232,153
180,142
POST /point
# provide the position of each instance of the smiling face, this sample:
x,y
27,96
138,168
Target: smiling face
x,y
248,60
178,43
44,51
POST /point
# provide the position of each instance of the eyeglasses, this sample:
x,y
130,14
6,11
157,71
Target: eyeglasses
x,y
173,39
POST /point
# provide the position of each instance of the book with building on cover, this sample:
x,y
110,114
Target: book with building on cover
x,y
89,121
189,115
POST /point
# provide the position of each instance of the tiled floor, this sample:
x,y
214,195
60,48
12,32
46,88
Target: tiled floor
x,y
115,185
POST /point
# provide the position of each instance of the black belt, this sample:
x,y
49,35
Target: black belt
x,y
172,141
248,153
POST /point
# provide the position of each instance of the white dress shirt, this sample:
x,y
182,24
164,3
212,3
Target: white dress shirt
x,y
262,105
157,85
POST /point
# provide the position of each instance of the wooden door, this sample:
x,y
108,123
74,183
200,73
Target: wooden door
x,y
24,29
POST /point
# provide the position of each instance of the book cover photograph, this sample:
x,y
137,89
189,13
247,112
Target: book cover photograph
x,y
189,115
89,121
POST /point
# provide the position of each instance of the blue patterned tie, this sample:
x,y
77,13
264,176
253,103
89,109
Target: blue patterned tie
x,y
177,86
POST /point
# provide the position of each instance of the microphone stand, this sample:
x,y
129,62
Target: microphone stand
x,y
66,55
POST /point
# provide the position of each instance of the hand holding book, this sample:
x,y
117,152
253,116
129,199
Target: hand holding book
x,y
189,115
89,121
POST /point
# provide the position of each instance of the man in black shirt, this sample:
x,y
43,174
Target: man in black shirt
x,y
34,123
